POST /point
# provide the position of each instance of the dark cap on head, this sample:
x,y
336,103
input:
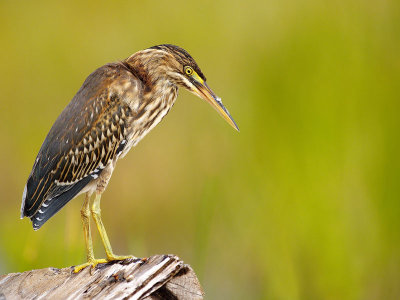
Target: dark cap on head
x,y
182,56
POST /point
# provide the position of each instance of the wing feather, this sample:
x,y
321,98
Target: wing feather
x,y
83,140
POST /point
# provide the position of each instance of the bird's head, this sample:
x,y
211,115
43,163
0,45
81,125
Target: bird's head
x,y
181,69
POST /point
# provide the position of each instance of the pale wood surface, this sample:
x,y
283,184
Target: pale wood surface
x,y
159,277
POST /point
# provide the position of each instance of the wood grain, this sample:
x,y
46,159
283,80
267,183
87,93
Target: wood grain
x,y
159,277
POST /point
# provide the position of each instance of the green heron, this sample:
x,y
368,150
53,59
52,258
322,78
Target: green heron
x,y
117,105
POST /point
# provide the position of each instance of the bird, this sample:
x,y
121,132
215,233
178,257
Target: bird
x,y
117,105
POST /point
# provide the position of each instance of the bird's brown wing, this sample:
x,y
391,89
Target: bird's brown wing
x,y
87,135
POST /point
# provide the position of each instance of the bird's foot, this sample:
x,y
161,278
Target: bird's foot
x,y
91,262
113,257
95,262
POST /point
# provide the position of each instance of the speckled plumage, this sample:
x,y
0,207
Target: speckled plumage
x,y
117,105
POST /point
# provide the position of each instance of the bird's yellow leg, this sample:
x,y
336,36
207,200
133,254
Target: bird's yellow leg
x,y
96,214
85,215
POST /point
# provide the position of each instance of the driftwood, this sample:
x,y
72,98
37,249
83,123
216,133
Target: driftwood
x,y
158,277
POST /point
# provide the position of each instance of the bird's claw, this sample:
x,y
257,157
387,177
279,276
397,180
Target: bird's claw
x,y
95,262
113,257
91,262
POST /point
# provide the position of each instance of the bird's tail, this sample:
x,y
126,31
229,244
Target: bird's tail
x,y
52,205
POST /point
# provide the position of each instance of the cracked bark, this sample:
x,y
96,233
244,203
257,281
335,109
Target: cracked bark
x,y
159,277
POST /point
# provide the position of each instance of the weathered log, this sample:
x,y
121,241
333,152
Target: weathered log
x,y
158,277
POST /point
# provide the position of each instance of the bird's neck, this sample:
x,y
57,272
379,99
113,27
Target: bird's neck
x,y
150,67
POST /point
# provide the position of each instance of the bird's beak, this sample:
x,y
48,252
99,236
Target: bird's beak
x,y
203,91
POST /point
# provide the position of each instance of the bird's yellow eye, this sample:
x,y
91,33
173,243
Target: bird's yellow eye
x,y
188,71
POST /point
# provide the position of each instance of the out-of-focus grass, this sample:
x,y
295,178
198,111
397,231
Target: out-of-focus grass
x,y
303,203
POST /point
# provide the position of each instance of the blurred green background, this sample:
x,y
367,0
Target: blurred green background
x,y
303,203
